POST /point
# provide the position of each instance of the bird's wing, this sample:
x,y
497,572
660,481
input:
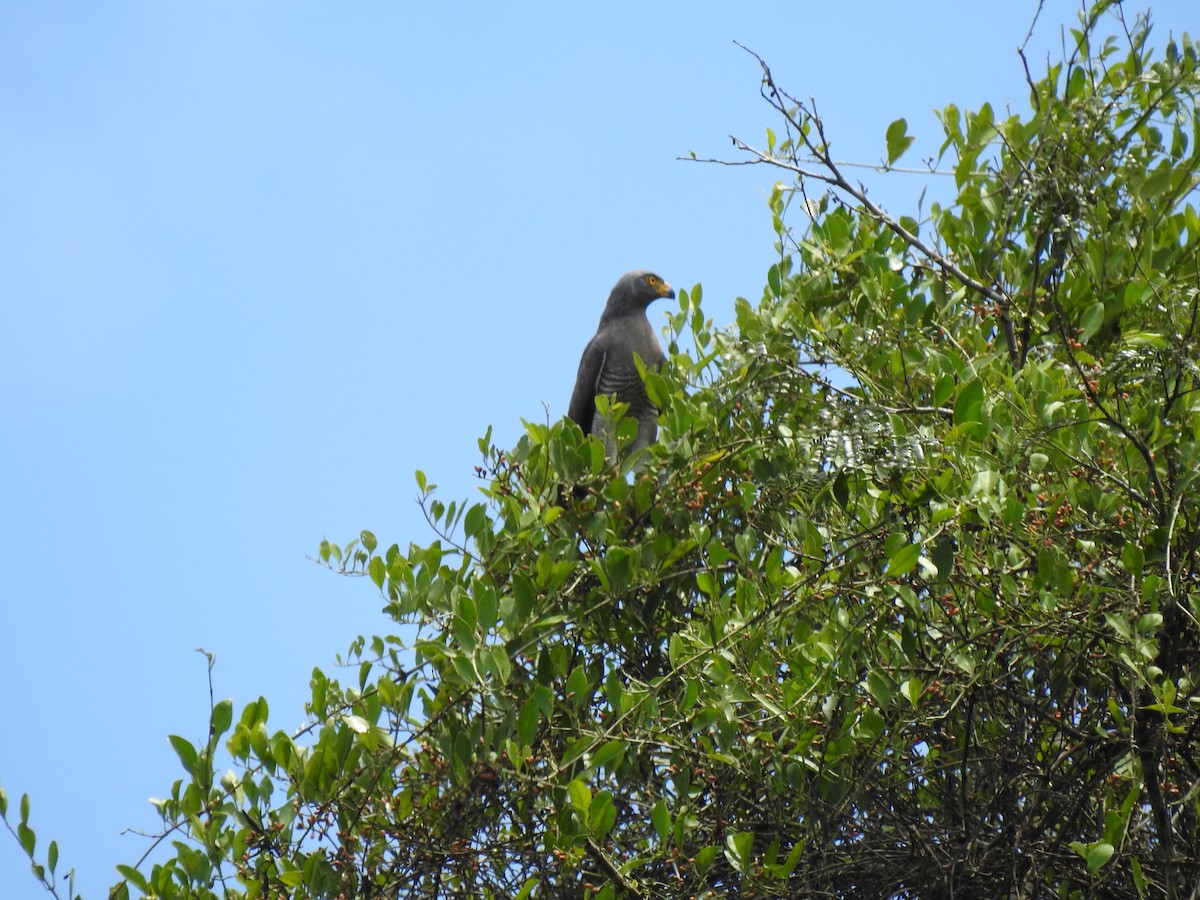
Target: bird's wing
x,y
583,398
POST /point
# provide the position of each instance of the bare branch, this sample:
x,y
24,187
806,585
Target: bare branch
x,y
801,119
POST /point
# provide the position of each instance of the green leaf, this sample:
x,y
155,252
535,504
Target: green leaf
x,y
1133,558
577,686
368,541
660,818
1096,853
880,687
903,561
738,848
602,814
527,723
969,403
578,748
912,689
1093,318
773,281
293,878
609,756
377,569
499,664
222,718
476,521
134,877
793,859
705,857
898,140
1139,877
185,751
27,838
256,713
581,797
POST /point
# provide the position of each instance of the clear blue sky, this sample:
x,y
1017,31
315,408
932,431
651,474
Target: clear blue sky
x,y
260,261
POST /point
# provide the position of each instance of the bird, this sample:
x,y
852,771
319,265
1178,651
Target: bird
x,y
607,367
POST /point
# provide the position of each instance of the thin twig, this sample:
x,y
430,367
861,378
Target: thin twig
x,y
800,120
612,871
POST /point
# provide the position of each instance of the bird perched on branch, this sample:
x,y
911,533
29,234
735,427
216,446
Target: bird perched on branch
x,y
607,367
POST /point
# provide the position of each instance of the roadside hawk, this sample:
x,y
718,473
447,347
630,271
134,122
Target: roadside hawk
x,y
607,365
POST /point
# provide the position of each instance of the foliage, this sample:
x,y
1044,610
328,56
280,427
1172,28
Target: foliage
x,y
46,873
929,633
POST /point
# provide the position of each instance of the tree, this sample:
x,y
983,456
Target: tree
x,y
926,631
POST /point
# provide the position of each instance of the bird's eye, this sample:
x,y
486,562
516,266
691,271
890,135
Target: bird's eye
x,y
651,280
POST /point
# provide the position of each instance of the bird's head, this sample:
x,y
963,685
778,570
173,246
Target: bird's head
x,y
635,291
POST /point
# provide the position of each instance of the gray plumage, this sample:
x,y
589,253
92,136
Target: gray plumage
x,y
607,366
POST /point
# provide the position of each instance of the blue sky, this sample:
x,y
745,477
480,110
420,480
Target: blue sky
x,y
262,261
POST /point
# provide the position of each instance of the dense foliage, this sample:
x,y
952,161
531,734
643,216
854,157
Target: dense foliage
x,y
928,630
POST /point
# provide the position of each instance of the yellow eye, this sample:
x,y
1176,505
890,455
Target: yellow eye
x,y
651,280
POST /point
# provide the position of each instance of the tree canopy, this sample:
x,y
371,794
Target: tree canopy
x,y
903,603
